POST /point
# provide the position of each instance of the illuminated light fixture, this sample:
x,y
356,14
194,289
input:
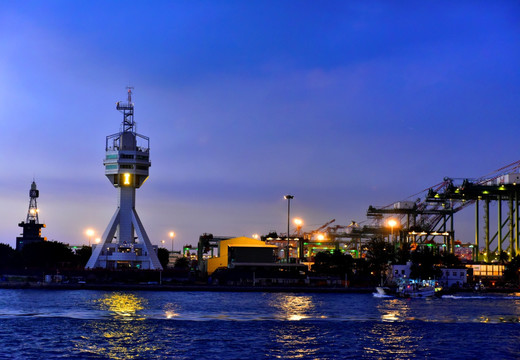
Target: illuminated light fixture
x,y
485,192
437,196
126,179
445,233
321,237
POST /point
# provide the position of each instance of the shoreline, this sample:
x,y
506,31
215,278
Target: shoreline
x,y
188,288
221,288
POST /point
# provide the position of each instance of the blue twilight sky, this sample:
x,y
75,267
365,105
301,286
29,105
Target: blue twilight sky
x,y
343,104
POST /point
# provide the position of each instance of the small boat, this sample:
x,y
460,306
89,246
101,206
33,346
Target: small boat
x,y
415,289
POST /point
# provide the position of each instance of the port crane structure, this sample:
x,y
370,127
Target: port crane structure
x,y
432,216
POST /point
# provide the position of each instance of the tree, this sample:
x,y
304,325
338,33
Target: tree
x,y
82,256
402,255
9,258
335,263
164,257
450,260
511,271
424,262
380,255
47,255
182,263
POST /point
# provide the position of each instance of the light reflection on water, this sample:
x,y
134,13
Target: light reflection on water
x,y
292,307
292,342
394,310
123,335
184,325
124,305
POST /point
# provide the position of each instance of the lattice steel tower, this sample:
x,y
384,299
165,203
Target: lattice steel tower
x,y
32,229
125,243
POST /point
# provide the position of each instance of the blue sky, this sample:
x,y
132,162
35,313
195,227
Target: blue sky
x,y
342,104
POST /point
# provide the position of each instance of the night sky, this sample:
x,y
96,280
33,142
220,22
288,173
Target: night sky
x,y
343,104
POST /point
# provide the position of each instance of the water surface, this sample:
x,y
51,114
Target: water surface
x,y
83,324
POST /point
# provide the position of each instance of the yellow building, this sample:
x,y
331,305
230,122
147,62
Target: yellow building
x,y
241,250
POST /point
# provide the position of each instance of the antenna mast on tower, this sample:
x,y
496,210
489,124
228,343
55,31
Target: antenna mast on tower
x,y
128,111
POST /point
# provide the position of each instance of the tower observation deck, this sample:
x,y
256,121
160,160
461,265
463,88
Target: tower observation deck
x,y
124,243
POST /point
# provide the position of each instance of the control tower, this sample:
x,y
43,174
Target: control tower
x,y
125,244
32,229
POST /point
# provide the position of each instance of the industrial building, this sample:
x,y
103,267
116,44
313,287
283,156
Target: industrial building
x,y
241,251
124,243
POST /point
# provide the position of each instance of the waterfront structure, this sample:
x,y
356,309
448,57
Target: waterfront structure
x,y
124,243
448,276
32,229
241,251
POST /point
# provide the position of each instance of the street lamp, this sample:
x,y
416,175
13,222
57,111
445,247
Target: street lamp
x,y
392,223
288,198
89,233
299,224
172,235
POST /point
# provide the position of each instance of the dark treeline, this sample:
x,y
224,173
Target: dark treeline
x,y
53,256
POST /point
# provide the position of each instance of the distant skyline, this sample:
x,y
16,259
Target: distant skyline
x,y
341,104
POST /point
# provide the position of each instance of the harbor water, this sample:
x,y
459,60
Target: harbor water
x,y
86,324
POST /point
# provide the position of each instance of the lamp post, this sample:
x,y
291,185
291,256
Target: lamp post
x,y
392,223
172,235
299,224
288,198
89,233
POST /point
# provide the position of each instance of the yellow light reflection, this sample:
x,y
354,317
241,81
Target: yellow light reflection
x,y
293,307
295,341
122,304
124,335
395,340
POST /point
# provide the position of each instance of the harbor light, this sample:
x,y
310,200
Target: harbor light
x,y
89,233
392,223
288,198
299,223
172,236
